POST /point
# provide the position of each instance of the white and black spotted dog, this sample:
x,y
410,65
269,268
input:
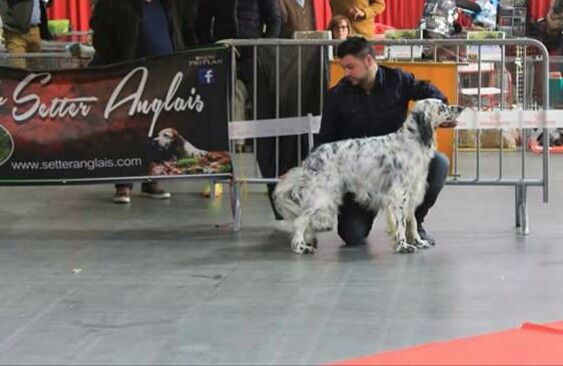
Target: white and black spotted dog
x,y
170,139
382,172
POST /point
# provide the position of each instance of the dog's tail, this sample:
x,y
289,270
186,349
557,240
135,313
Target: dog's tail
x,y
287,196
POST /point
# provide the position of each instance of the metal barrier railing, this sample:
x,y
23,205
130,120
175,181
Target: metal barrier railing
x,y
53,56
265,62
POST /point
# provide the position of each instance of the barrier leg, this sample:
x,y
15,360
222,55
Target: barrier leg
x,y
524,213
235,205
212,190
517,204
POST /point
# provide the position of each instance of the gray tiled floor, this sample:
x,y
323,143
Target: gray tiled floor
x,y
88,282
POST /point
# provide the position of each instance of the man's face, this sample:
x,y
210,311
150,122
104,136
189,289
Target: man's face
x,y
356,69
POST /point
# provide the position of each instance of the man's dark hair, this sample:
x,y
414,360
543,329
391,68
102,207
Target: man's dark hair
x,y
356,46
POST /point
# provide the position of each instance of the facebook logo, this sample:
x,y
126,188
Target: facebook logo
x,y
206,76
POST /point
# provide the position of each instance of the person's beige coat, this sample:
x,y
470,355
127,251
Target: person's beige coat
x,y
554,21
371,8
296,18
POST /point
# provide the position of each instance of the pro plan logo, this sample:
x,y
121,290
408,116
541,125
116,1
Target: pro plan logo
x,y
206,76
6,145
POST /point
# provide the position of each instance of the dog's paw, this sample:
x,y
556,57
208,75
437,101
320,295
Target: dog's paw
x,y
422,244
404,247
300,247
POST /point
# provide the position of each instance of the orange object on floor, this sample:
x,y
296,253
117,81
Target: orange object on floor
x,y
531,344
536,148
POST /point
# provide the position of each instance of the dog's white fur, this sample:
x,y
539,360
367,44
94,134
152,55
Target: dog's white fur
x,y
169,138
382,172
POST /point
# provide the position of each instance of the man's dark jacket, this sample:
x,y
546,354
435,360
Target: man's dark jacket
x,y
350,112
117,25
243,19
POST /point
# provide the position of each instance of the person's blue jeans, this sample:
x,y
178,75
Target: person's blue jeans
x,y
355,222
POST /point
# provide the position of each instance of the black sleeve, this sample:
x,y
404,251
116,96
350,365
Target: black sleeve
x,y
43,27
204,21
329,121
103,37
270,13
185,16
418,89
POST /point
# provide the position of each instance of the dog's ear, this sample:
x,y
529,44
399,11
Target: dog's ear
x,y
425,129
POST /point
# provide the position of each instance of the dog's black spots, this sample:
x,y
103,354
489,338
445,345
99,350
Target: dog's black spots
x,y
387,170
333,147
397,164
425,130
315,163
381,160
386,186
295,197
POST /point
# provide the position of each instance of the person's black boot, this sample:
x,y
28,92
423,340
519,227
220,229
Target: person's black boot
x,y
424,235
277,215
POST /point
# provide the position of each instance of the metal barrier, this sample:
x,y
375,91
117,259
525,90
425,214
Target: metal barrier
x,y
525,52
83,37
53,56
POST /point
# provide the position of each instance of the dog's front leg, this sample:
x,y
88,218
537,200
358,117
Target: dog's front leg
x,y
398,217
413,234
303,241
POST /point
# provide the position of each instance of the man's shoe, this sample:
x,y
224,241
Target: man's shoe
x,y
424,235
153,190
122,195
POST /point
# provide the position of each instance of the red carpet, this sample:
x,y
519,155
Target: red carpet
x,y
532,344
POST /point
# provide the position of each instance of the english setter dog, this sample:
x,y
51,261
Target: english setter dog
x,y
382,172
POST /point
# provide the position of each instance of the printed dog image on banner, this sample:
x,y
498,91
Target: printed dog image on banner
x,y
184,158
159,116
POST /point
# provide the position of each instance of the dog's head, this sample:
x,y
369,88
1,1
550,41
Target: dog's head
x,y
437,113
428,114
166,138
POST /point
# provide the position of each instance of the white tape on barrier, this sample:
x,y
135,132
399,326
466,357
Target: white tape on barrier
x,y
468,120
274,127
502,119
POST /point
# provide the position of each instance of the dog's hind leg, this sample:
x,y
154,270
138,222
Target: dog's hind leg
x,y
398,225
303,241
324,218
